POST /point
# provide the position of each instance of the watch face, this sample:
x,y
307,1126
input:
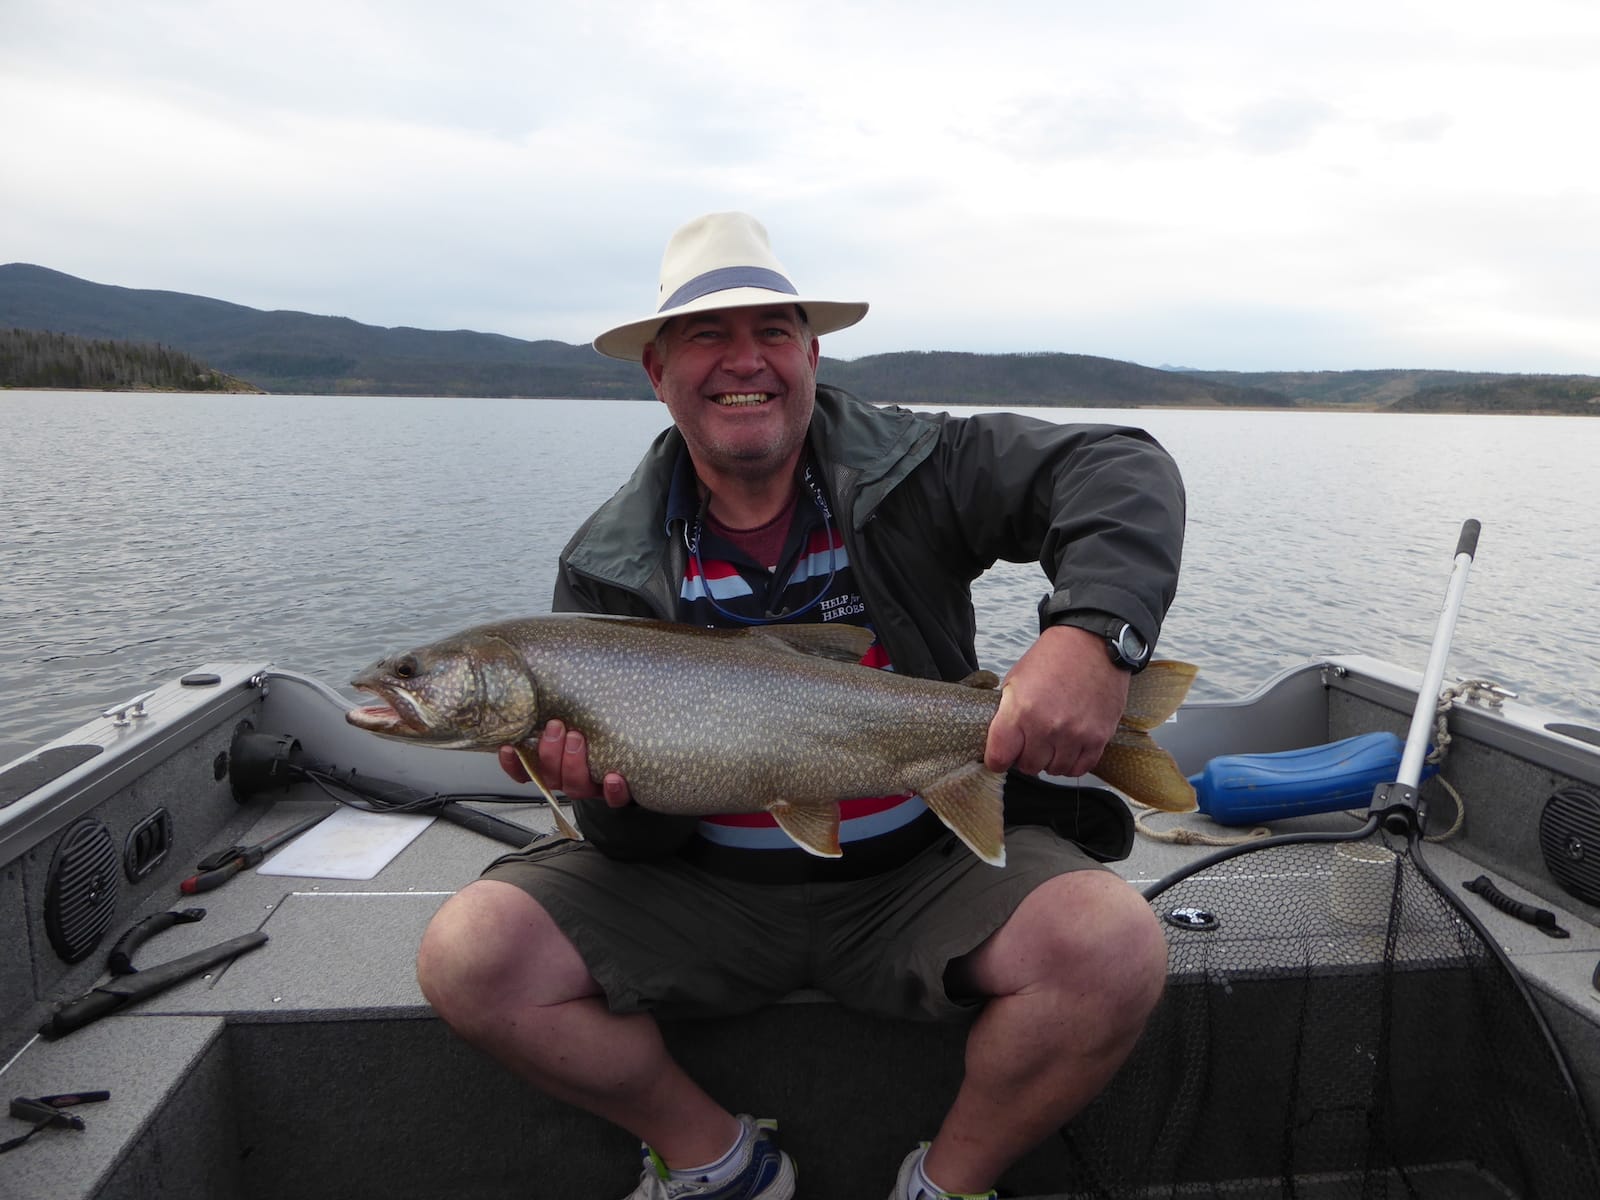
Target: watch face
x,y
1130,647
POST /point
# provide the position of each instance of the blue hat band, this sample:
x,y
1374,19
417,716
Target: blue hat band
x,y
725,279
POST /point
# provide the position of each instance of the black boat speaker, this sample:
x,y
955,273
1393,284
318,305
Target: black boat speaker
x,y
1569,836
80,893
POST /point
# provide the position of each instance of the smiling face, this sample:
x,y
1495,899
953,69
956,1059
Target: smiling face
x,y
740,384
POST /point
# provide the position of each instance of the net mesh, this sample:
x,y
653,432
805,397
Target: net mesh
x,y
1334,1026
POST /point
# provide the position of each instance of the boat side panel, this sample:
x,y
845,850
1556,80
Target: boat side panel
x,y
181,768
1286,713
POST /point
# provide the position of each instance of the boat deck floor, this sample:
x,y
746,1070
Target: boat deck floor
x,y
312,1067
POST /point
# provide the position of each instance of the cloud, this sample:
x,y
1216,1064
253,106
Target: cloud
x,y
1290,188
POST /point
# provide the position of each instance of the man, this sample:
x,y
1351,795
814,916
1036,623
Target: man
x,y
774,499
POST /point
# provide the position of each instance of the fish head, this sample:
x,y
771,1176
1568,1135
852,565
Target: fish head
x,y
465,693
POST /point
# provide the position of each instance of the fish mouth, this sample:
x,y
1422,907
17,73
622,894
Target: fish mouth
x,y
399,715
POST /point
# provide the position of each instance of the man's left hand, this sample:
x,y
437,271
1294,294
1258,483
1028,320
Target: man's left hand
x,y
1059,706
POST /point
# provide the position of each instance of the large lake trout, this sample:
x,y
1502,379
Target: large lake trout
x,y
780,719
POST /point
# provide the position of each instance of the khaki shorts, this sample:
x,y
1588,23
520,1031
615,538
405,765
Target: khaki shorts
x,y
669,938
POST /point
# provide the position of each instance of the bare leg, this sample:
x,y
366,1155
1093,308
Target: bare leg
x,y
498,970
1073,976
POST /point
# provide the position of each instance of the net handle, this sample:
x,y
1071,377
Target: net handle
x,y
1433,677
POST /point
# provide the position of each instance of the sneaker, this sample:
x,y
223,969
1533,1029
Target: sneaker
x,y
908,1172
767,1172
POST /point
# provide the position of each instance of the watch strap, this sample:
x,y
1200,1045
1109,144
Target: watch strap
x,y
1108,626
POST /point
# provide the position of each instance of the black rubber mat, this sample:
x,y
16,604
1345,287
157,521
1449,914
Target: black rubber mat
x,y
33,773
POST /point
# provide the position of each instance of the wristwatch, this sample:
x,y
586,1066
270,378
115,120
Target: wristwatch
x,y
1127,649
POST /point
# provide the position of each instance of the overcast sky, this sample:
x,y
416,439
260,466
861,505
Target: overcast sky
x,y
1254,186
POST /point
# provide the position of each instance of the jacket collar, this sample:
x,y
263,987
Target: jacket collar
x,y
863,452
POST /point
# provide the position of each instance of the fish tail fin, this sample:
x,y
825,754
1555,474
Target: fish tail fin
x,y
970,801
812,827
1134,763
1155,693
566,827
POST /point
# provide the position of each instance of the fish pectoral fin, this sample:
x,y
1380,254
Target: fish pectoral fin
x,y
842,643
1136,764
565,825
970,801
812,827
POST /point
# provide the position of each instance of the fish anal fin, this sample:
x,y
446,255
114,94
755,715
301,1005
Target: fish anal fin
x,y
566,827
812,827
1136,764
969,800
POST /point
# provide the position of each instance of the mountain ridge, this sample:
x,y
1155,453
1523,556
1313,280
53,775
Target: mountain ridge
x,y
289,351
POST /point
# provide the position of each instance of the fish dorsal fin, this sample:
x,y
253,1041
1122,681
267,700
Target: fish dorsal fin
x,y
843,643
812,827
981,679
970,801
1155,693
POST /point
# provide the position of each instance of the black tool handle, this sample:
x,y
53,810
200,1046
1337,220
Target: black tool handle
x,y
24,1108
69,1099
212,861
207,880
217,870
1541,918
120,961
1468,542
80,1012
487,824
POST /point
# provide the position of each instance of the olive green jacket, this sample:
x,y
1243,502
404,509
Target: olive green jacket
x,y
927,502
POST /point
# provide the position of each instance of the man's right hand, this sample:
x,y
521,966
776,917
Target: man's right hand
x,y
563,756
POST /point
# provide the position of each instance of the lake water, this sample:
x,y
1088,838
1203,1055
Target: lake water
x,y
141,535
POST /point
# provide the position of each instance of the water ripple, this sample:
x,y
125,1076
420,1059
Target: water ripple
x,y
141,536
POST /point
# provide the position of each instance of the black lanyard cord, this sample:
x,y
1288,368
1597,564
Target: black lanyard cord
x,y
692,540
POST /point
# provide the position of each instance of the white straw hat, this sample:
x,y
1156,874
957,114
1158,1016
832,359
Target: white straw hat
x,y
721,260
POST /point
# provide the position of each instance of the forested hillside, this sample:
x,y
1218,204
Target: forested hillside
x,y
1355,389
36,359
297,352
1565,395
1069,380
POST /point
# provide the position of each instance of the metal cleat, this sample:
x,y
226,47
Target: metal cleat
x,y
129,710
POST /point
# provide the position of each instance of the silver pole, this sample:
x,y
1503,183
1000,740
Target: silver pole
x,y
1433,676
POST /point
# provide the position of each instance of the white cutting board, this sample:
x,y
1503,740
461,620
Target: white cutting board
x,y
349,844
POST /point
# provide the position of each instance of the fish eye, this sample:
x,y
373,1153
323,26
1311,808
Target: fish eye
x,y
407,667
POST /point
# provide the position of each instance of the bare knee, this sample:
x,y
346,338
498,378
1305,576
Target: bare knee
x,y
1120,946
1087,934
1140,953
490,949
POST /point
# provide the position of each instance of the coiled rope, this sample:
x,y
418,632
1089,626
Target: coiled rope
x,y
1483,692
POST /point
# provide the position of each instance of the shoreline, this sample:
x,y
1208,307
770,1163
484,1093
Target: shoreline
x,y
1251,408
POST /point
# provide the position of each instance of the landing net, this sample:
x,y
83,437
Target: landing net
x,y
1334,1026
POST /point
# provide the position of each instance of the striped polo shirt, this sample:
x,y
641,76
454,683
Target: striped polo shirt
x,y
724,586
